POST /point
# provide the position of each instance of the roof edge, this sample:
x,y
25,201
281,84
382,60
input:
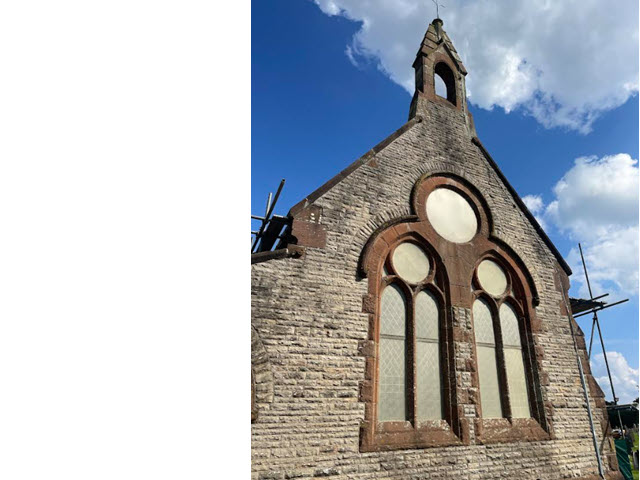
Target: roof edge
x,y
458,63
289,251
309,199
565,266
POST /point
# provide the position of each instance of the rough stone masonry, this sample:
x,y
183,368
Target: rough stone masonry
x,y
313,316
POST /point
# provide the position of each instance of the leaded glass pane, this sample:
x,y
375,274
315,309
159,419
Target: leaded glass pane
x,y
492,278
429,390
489,386
426,316
392,373
411,262
392,383
482,322
487,361
392,312
509,325
518,395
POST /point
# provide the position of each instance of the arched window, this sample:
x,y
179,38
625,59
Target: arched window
x,y
392,390
429,387
495,316
514,362
450,310
487,360
409,347
444,82
411,405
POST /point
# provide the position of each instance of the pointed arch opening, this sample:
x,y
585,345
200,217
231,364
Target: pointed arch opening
x,y
412,403
457,276
500,283
444,82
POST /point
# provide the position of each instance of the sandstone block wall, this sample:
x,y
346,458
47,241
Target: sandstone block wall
x,y
308,315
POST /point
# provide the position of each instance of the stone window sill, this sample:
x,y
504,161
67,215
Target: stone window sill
x,y
403,435
503,430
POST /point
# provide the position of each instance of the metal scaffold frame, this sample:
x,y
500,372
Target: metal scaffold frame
x,y
595,324
270,225
592,306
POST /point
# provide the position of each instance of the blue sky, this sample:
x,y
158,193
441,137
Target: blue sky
x,y
324,90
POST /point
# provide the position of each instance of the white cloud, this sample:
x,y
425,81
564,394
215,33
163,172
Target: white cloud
x,y
596,195
625,378
351,55
596,204
562,62
535,204
612,263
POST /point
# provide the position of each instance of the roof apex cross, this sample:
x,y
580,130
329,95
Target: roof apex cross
x,y
438,5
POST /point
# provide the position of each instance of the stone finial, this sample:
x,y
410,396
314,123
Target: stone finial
x,y
437,23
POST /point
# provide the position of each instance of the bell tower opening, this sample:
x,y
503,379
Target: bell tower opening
x,y
444,81
439,76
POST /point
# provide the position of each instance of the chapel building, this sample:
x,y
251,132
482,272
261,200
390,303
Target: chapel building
x,y
414,323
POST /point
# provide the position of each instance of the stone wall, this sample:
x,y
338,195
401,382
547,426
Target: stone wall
x,y
308,314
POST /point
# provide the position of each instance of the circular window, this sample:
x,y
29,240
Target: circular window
x,y
492,278
410,262
451,215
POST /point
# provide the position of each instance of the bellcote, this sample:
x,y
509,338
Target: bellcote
x,y
437,57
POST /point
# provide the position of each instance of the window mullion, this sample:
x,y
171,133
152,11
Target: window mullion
x,y
502,366
411,361
528,367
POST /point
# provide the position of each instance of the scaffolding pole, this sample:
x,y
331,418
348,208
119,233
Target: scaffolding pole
x,y
594,436
267,216
596,322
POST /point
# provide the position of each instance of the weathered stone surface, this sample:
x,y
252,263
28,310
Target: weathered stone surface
x,y
311,315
